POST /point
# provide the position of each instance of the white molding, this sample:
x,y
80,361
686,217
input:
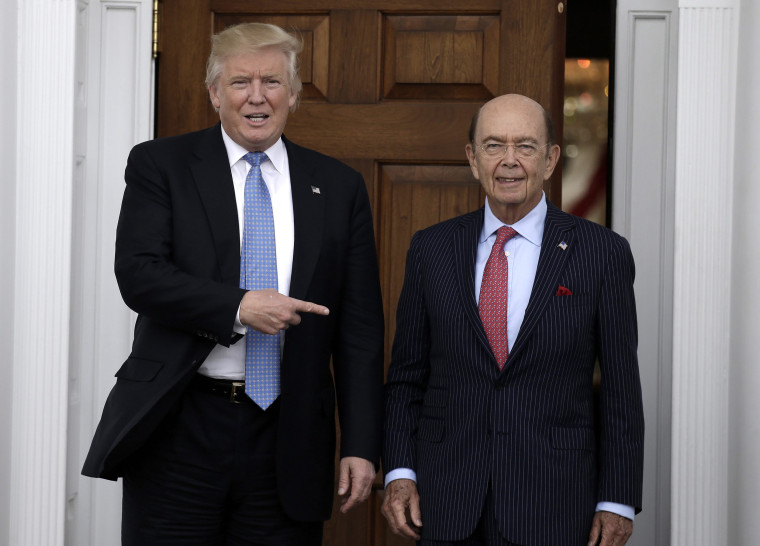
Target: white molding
x,y
45,95
687,4
744,427
9,117
117,113
642,210
704,193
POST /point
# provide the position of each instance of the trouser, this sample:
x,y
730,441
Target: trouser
x,y
207,477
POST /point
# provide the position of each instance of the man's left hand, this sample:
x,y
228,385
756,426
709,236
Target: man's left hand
x,y
609,529
355,481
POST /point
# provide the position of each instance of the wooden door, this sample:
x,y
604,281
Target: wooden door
x,y
390,87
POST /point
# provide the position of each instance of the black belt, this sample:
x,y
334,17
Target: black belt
x,y
234,391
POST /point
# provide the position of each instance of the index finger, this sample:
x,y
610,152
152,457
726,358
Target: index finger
x,y
309,307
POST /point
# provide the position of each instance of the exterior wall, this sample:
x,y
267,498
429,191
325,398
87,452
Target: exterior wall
x,y
8,66
113,113
80,80
744,325
643,205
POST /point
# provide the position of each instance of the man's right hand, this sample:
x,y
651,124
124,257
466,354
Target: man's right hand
x,y
268,311
401,495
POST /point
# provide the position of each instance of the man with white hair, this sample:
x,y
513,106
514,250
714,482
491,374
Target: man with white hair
x,y
251,263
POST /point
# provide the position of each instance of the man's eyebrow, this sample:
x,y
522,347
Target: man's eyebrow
x,y
248,75
241,76
518,139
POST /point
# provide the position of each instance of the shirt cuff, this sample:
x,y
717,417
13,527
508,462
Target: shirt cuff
x,y
619,509
400,474
239,327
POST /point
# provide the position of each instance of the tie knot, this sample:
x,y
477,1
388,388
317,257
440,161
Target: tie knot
x,y
504,234
255,158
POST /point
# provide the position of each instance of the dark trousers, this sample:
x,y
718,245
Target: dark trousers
x,y
207,477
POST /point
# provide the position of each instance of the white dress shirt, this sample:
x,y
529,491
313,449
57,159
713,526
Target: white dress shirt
x,y
522,252
229,362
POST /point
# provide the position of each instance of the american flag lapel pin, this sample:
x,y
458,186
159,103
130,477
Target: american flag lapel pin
x,y
563,245
315,189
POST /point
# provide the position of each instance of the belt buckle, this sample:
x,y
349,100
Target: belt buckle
x,y
234,392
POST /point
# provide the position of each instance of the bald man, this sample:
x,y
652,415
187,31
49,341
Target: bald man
x,y
494,434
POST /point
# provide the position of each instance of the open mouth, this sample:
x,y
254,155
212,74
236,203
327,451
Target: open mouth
x,y
257,118
506,180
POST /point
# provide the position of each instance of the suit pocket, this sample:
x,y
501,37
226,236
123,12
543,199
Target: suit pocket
x,y
574,300
573,438
139,369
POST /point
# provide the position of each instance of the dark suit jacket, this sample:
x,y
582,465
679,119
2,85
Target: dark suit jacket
x,y
528,430
178,266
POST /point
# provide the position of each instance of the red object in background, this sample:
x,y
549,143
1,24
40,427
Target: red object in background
x,y
596,190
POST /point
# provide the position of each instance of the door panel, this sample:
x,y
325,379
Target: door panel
x,y
390,88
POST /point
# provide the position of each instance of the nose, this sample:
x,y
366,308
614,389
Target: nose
x,y
510,158
256,92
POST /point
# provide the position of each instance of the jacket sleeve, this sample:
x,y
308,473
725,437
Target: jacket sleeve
x,y
409,368
621,445
359,338
166,264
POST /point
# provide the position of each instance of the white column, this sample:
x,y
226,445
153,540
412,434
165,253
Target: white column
x,y
44,136
704,192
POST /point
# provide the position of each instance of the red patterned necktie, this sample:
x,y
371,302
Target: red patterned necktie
x,y
493,296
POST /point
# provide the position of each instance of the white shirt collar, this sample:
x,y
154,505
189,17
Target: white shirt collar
x,y
276,153
530,226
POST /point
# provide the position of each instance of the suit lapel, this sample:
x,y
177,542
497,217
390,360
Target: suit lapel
x,y
213,178
465,247
558,229
308,218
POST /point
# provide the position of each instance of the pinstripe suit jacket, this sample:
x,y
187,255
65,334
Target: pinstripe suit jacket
x,y
533,431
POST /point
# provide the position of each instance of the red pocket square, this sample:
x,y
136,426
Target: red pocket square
x,y
562,291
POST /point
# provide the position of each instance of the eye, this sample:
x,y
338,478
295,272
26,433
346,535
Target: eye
x,y
526,148
239,84
492,147
271,83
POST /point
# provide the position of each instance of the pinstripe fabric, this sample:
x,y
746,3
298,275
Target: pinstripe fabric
x,y
460,423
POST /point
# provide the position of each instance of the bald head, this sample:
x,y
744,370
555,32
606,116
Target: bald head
x,y
513,101
507,135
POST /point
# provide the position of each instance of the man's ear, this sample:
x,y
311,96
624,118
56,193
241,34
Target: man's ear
x,y
552,160
212,95
471,158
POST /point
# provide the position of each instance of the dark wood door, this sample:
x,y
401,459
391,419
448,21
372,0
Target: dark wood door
x,y
390,87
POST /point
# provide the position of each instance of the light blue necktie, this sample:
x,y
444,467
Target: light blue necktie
x,y
258,271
